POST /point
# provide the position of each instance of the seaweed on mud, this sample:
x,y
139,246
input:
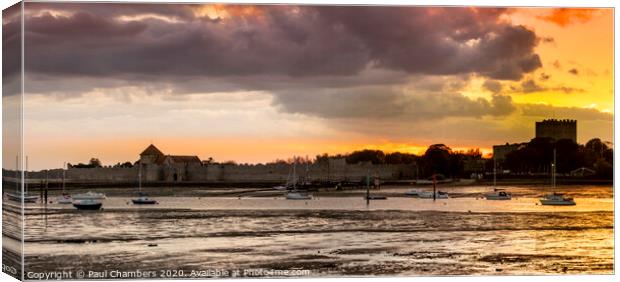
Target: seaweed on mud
x,y
226,250
431,255
521,258
362,251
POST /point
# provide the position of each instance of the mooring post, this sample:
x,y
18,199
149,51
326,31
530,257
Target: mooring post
x,y
434,188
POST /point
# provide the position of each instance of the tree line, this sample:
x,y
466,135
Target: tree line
x,y
535,156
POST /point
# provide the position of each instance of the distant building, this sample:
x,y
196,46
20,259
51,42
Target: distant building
x,y
500,151
557,129
166,167
582,171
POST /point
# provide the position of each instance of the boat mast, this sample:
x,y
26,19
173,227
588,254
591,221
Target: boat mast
x,y
294,175
25,180
140,177
17,175
367,187
63,177
553,168
494,172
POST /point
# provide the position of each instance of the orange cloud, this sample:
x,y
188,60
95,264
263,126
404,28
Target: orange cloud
x,y
221,11
565,16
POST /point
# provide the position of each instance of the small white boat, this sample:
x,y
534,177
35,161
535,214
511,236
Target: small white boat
x,y
498,195
89,196
64,199
21,196
87,204
294,195
429,195
280,188
143,199
557,199
412,193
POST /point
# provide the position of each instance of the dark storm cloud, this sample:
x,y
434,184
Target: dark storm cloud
x,y
331,62
492,85
280,40
537,110
529,86
391,103
11,50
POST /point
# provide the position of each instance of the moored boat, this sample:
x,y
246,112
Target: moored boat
x,y
89,196
557,199
498,195
376,197
294,195
64,199
143,199
412,193
21,196
429,195
87,204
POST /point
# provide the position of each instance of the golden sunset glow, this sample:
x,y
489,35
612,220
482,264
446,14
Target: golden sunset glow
x,y
259,83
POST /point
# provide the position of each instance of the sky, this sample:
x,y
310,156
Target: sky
x,y
259,83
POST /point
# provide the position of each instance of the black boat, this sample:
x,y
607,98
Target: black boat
x,y
376,197
143,199
87,204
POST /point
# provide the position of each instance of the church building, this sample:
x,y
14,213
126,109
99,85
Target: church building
x,y
157,166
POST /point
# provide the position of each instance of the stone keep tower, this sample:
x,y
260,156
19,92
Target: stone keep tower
x,y
557,129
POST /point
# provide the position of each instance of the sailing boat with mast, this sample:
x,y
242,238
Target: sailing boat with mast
x,y
21,196
556,199
498,194
368,195
64,198
294,194
143,198
287,184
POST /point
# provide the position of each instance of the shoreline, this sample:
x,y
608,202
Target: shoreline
x,y
53,184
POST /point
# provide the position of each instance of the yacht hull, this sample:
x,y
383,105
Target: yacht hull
x,y
91,207
557,203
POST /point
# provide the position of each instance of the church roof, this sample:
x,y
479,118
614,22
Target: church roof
x,y
184,159
151,150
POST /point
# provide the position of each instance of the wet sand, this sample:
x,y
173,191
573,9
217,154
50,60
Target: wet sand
x,y
329,236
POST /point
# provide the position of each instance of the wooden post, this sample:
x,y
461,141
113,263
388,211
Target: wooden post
x,y
367,189
434,188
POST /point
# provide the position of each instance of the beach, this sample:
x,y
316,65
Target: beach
x,y
330,235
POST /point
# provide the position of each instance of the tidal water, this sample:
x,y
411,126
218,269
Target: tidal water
x,y
326,236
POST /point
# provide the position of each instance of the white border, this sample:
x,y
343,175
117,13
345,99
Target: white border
x,y
522,3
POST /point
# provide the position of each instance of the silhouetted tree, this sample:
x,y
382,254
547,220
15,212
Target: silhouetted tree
x,y
437,160
373,156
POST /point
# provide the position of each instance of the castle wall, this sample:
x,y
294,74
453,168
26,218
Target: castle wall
x,y
103,174
219,173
